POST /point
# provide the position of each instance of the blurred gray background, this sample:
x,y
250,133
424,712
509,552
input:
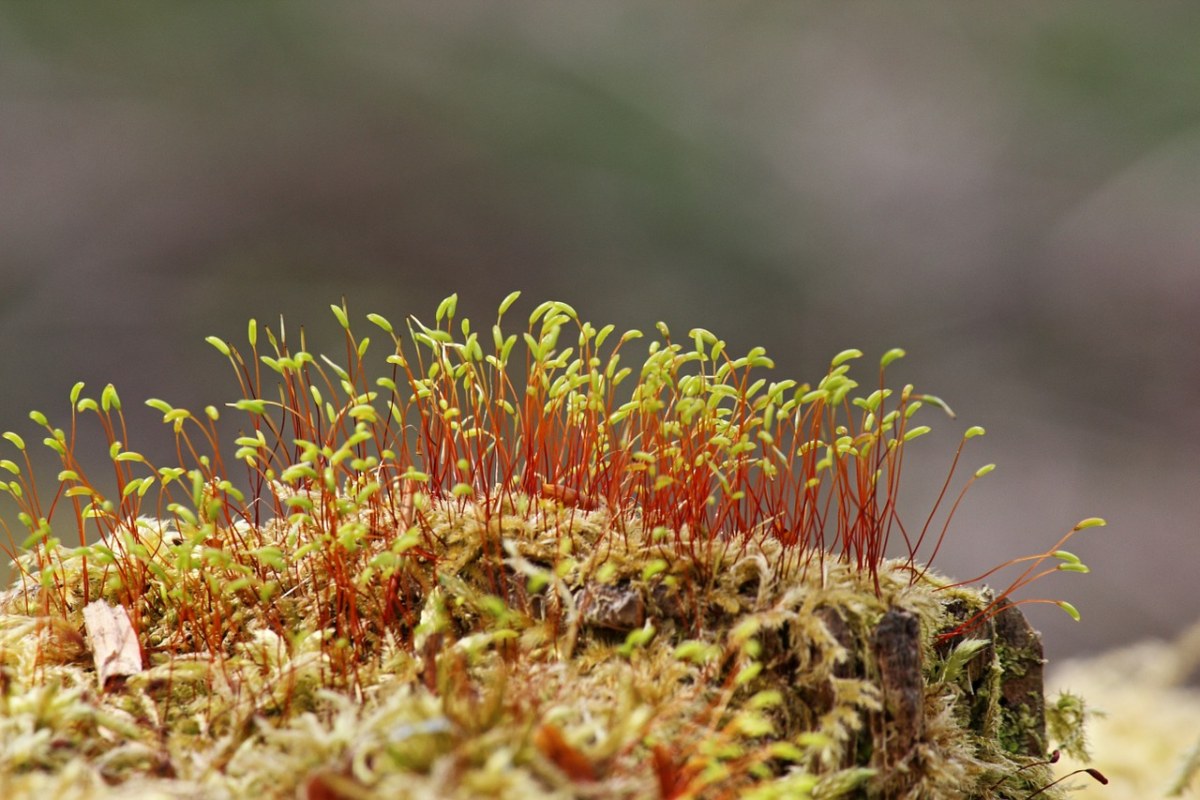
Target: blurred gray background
x,y
1009,191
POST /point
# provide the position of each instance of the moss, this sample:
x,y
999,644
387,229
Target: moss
x,y
443,587
771,678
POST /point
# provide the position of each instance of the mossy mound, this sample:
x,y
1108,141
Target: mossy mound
x,y
461,578
595,663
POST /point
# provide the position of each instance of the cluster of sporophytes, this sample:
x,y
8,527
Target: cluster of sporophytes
x,y
513,565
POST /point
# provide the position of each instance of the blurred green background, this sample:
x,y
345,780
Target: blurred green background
x,y
1008,191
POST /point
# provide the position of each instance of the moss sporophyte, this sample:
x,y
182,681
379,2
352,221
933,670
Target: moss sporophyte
x,y
510,565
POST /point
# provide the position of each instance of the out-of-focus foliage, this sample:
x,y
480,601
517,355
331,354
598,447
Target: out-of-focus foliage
x,y
1145,733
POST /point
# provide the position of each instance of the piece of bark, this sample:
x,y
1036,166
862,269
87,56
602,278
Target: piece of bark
x,y
1021,685
896,647
115,648
1004,681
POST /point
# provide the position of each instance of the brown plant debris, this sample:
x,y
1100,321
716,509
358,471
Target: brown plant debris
x,y
115,650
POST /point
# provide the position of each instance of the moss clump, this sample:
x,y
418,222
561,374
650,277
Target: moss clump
x,y
436,585
746,687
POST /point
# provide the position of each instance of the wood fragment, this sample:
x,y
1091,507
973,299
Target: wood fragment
x,y
896,646
115,648
1021,687
1004,687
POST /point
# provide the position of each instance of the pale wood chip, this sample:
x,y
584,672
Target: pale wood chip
x,y
114,644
